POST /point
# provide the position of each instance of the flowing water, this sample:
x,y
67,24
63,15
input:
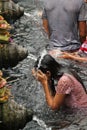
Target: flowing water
x,y
28,31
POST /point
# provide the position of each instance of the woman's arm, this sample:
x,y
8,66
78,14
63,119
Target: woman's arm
x,y
53,101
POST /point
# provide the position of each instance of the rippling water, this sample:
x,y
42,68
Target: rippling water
x,y
26,90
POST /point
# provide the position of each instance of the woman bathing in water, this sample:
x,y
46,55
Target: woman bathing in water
x,y
61,86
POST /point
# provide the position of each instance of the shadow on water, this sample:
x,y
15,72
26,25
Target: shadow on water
x,y
26,90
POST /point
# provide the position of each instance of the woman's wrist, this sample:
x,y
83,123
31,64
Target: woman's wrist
x,y
45,83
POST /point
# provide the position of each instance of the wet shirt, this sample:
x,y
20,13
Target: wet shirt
x,y
76,97
62,16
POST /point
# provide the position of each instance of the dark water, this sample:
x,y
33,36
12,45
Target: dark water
x,y
28,92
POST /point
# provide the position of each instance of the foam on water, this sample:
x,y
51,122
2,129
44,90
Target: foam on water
x,y
30,56
41,123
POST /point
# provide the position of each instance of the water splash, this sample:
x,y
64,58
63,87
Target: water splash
x,y
33,17
55,53
36,13
30,56
41,123
44,52
27,14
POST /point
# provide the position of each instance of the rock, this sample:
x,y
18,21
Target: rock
x,y
11,54
11,10
14,116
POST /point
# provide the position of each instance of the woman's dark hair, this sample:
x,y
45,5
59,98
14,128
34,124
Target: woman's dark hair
x,y
48,63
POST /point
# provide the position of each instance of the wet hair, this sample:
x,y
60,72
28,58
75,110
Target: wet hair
x,y
48,63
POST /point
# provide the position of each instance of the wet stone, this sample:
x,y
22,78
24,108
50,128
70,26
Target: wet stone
x,y
14,116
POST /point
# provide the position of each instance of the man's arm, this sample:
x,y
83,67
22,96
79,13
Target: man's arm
x,y
82,31
46,26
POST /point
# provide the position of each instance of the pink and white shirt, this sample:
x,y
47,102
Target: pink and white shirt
x,y
76,97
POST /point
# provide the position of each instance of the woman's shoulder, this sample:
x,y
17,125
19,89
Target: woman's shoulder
x,y
65,85
65,79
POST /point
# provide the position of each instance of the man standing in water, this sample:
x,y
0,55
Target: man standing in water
x,y
65,23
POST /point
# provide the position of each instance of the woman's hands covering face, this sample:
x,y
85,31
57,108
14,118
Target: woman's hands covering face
x,y
39,75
